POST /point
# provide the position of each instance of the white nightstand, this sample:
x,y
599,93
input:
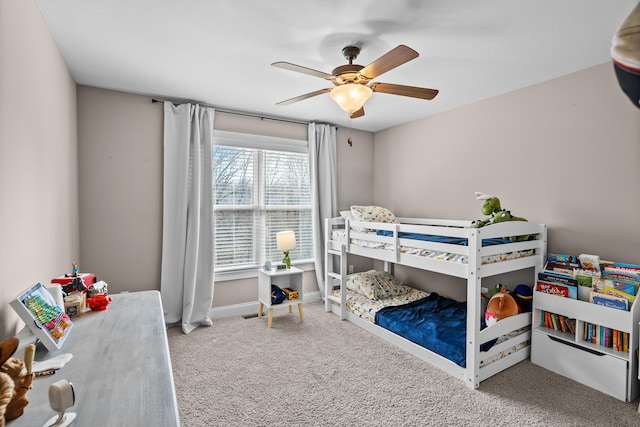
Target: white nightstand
x,y
289,278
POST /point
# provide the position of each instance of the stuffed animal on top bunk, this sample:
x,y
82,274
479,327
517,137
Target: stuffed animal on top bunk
x,y
500,306
497,214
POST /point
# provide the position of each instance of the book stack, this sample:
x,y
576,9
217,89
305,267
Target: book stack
x,y
557,276
617,286
557,322
586,277
606,337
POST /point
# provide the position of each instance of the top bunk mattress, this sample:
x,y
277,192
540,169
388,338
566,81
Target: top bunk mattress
x,y
340,236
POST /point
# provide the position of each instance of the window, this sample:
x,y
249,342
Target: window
x,y
259,192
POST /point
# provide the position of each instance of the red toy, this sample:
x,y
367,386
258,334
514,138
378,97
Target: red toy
x,y
99,302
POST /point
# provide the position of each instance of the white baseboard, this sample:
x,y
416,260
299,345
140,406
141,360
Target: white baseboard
x,y
251,307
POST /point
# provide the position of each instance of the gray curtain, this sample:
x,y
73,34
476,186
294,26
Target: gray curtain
x,y
186,282
323,168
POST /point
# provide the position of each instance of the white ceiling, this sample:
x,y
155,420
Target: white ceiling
x,y
219,52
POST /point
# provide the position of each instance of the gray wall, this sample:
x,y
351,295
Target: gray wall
x,y
564,153
120,158
38,158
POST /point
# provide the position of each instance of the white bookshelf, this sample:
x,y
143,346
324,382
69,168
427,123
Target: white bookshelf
x,y
569,354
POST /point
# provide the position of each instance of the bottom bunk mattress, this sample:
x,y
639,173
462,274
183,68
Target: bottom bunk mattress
x,y
430,320
434,322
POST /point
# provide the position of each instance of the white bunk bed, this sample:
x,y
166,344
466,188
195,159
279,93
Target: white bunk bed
x,y
472,262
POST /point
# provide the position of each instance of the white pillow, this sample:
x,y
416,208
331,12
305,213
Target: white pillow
x,y
374,214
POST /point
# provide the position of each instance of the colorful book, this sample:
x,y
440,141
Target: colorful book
x,y
621,267
550,276
554,321
609,290
561,323
560,289
563,259
610,301
621,275
589,262
630,288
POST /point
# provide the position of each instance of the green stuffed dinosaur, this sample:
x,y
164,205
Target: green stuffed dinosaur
x,y
496,214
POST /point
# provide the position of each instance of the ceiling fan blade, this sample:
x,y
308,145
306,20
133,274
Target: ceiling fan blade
x,y
301,69
390,60
358,113
302,97
412,91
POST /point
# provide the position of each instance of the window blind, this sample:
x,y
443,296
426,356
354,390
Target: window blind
x,y
259,192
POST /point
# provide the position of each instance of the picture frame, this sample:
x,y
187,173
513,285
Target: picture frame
x,y
43,316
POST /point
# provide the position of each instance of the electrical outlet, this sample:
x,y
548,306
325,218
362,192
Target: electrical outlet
x,y
350,269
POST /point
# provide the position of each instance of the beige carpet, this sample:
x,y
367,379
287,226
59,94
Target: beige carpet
x,y
328,372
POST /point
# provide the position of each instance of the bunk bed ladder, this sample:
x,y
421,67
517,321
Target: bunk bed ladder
x,y
332,275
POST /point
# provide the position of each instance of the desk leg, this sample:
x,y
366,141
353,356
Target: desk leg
x,y
289,309
301,314
260,310
270,322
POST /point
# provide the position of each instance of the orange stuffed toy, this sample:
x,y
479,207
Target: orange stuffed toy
x,y
501,305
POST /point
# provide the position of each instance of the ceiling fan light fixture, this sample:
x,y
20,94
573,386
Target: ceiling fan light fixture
x,y
351,96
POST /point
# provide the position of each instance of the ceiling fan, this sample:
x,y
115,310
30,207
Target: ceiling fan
x,y
353,86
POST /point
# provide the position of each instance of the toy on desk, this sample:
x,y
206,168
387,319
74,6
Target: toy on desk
x,y
76,285
97,288
99,302
75,304
16,378
74,270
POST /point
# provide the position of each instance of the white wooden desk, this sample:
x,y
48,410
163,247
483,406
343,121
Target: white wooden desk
x,y
121,370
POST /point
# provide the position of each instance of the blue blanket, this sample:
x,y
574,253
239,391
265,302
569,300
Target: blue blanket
x,y
442,239
436,323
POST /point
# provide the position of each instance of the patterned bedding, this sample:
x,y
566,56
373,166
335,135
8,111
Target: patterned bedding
x,y
365,308
339,235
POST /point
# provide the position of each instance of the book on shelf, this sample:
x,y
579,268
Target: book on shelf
x,y
561,323
610,301
552,324
627,287
563,259
609,290
589,262
559,269
621,267
621,275
571,325
606,337
557,322
551,276
559,289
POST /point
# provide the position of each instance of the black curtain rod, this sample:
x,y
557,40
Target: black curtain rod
x,y
242,113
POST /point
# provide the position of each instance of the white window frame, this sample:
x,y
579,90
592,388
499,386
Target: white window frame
x,y
244,140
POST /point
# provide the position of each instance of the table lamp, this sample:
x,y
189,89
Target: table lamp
x,y
286,240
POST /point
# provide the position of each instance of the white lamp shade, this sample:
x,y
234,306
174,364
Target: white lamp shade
x,y
286,240
351,96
